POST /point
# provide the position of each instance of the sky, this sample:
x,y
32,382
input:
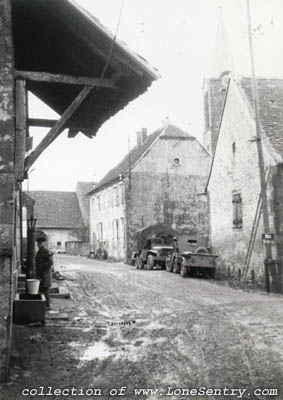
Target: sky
x,y
178,37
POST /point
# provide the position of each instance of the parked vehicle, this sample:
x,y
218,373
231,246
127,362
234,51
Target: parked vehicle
x,y
197,260
153,245
182,244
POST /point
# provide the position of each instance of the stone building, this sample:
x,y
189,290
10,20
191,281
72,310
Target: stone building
x,y
162,180
65,57
59,216
236,225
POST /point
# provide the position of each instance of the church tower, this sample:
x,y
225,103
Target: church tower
x,y
215,87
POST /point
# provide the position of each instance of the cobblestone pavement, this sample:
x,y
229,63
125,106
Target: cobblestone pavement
x,y
150,329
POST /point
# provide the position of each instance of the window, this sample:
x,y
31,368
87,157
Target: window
x,y
176,161
117,229
237,210
59,243
123,231
109,198
206,110
102,200
234,148
118,195
122,194
100,231
115,196
113,229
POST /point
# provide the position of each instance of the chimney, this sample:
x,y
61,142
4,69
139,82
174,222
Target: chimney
x,y
139,139
143,135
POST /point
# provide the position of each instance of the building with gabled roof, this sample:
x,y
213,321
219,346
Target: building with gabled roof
x,y
161,180
236,224
59,216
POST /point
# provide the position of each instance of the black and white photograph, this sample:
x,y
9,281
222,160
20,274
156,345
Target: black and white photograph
x,y
141,199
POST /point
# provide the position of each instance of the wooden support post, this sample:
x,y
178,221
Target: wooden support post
x,y
57,128
7,184
67,79
21,129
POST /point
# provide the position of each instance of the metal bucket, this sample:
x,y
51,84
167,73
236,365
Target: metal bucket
x,y
33,286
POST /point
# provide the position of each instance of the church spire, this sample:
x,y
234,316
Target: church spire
x,y
222,60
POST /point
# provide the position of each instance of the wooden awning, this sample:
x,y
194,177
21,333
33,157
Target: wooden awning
x,y
61,52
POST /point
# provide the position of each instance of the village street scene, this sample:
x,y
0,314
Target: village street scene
x,y
141,199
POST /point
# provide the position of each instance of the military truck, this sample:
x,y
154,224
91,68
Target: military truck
x,y
197,260
182,244
153,245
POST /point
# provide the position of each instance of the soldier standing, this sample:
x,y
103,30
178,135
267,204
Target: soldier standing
x,y
44,262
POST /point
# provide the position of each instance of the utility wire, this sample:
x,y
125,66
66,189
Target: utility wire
x,y
111,47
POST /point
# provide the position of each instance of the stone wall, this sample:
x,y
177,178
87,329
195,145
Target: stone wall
x,y
235,170
7,184
165,191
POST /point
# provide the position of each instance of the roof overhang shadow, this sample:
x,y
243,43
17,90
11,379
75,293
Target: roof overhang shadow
x,y
59,37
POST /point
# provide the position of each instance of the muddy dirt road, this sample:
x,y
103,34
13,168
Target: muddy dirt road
x,y
152,330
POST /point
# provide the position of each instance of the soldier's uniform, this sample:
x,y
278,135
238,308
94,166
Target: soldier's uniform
x,y
44,262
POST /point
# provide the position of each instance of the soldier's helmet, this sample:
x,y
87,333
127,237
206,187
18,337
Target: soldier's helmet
x,y
40,237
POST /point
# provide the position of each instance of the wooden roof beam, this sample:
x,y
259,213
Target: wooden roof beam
x,y
57,128
49,123
67,79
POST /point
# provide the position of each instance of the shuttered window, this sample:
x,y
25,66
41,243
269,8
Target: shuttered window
x,y
237,210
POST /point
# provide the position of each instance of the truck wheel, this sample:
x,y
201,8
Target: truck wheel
x,y
184,271
168,265
150,262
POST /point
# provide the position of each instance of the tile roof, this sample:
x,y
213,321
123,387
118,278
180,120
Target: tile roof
x,y
137,152
270,93
57,210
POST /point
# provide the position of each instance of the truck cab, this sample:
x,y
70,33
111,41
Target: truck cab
x,y
153,245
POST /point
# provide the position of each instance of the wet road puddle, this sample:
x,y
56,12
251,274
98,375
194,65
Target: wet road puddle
x,y
102,350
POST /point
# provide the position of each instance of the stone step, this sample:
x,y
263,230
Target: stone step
x,y
55,292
